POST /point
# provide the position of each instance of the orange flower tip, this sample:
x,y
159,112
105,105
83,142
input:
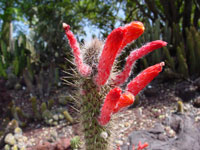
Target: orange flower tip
x,y
66,27
138,25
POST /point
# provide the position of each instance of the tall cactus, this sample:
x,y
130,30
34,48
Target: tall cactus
x,y
99,89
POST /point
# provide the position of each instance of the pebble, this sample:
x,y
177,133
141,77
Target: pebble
x,y
127,124
18,130
61,116
10,139
119,142
55,117
7,147
55,123
104,135
197,118
15,147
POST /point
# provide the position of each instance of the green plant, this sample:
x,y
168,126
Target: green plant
x,y
75,142
180,107
99,92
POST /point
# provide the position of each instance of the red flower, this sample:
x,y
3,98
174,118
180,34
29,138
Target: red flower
x,y
108,55
136,54
141,147
110,101
83,68
126,99
144,78
134,30
115,42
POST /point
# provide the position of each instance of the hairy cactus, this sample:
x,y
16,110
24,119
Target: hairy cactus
x,y
99,88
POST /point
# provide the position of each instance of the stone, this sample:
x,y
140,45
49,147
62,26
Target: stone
x,y
14,147
7,147
196,102
104,135
18,131
182,129
17,86
10,139
55,117
55,123
61,116
119,142
63,144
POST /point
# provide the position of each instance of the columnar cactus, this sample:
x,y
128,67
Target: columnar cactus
x,y
99,89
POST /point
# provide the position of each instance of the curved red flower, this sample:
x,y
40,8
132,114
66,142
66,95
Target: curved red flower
x,y
134,55
83,68
109,104
144,78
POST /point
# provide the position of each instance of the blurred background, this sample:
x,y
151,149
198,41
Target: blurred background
x,y
34,53
33,46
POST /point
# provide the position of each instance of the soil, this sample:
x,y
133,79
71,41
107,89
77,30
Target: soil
x,y
157,103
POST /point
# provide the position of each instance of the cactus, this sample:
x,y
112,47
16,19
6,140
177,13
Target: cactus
x,y
180,107
169,59
20,113
43,107
35,108
75,142
99,90
16,116
50,103
182,65
68,116
191,52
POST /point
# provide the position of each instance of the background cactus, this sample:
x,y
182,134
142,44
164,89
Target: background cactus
x,y
100,95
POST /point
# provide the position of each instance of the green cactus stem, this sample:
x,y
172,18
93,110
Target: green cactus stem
x,y
180,107
68,117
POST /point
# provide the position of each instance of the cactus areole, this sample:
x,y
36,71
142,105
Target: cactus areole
x,y
100,93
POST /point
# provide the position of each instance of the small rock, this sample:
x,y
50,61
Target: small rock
x,y
55,117
15,147
119,142
17,86
126,124
61,116
18,130
162,137
55,123
197,102
104,135
22,148
197,118
50,121
7,147
10,139
54,134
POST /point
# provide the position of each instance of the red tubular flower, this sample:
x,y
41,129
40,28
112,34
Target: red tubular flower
x,y
109,104
125,100
83,68
141,147
108,55
115,42
146,76
134,30
136,54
